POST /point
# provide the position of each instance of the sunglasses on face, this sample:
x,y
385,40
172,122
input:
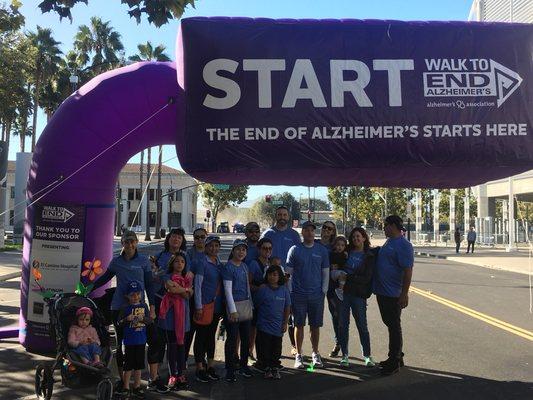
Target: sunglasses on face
x,y
329,228
128,241
202,237
266,248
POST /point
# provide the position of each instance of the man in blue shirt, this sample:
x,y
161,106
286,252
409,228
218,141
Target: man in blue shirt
x,y
252,232
392,278
308,266
282,235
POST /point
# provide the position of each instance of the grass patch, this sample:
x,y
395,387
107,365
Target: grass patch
x,y
11,247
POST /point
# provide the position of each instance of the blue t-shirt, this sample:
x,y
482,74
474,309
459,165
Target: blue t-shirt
x,y
137,268
271,304
209,277
282,241
354,261
135,331
251,253
307,264
238,275
394,257
257,271
195,257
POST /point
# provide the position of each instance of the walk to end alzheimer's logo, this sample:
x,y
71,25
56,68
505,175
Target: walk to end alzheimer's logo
x,y
460,78
56,214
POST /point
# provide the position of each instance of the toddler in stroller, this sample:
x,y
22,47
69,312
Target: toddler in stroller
x,y
68,311
84,340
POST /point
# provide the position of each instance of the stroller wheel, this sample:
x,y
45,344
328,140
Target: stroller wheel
x,y
44,382
104,390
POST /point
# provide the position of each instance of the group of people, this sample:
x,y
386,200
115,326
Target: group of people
x,y
470,239
271,284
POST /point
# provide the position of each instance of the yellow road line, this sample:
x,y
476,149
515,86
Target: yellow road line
x,y
476,314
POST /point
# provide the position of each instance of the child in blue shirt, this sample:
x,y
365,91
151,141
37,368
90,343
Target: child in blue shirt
x,y
134,317
273,302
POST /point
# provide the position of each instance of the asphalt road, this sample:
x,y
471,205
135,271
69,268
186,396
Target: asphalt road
x,y
468,334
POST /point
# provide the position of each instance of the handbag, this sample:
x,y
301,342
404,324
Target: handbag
x,y
245,307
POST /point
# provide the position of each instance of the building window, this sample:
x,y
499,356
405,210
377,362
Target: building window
x,y
12,191
138,194
131,216
131,194
152,194
152,219
174,219
178,195
11,217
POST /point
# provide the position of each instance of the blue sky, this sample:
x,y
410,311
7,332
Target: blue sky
x,y
133,34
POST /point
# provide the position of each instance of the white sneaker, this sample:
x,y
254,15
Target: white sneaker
x,y
369,362
299,362
317,360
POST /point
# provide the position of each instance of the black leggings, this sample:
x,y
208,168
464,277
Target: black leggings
x,y
119,335
204,344
175,354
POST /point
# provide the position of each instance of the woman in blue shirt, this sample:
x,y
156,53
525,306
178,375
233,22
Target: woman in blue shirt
x,y
235,278
208,309
358,287
127,267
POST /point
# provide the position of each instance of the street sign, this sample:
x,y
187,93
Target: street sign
x,y
220,186
277,202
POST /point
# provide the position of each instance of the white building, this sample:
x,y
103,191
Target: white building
x,y
178,208
519,187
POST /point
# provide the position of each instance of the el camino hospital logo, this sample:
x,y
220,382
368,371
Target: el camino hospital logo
x,y
469,78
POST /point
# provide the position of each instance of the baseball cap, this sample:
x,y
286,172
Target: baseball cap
x,y
251,225
134,287
212,238
129,235
307,224
239,242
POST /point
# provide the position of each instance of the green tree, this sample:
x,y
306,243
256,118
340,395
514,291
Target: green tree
x,y
263,212
47,59
218,199
158,12
98,44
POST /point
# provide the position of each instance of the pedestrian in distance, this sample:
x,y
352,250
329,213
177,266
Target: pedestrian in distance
x,y
134,317
235,276
392,279
308,266
174,320
208,310
471,239
457,238
359,269
273,304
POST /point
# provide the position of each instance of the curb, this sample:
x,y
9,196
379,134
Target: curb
x,y
430,255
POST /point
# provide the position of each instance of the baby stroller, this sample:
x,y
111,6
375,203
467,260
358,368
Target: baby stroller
x,y
62,310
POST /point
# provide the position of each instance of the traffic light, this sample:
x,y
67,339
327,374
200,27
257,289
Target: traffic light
x,y
268,198
208,213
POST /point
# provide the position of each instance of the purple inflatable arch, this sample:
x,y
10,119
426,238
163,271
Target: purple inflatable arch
x,y
375,103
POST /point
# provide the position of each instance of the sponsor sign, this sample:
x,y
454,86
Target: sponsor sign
x,y
382,103
55,260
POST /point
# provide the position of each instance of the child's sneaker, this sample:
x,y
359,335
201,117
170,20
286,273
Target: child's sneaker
x,y
157,385
340,294
201,376
245,372
275,374
172,382
345,361
230,377
137,393
182,382
268,374
120,390
369,362
212,374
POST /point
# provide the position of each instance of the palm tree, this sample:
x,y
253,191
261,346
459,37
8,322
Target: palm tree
x,y
147,52
101,42
47,58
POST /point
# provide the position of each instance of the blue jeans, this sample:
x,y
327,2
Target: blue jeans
x,y
358,308
88,351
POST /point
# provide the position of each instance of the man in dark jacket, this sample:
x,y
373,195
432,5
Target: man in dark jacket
x,y
457,237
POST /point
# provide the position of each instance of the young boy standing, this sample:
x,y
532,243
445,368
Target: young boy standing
x,y
134,318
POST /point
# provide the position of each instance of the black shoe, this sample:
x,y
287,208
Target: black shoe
x,y
201,376
211,374
230,377
391,367
137,393
335,351
119,389
158,386
258,367
245,372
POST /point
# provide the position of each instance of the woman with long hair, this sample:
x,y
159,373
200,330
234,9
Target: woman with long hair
x,y
358,287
